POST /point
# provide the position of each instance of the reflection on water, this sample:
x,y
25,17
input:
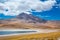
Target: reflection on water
x,y
14,32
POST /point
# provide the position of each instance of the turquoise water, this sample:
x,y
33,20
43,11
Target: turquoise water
x,y
14,32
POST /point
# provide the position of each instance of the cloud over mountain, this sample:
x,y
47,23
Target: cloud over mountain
x,y
16,7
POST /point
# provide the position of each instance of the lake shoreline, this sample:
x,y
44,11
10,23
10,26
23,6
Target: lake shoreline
x,y
38,31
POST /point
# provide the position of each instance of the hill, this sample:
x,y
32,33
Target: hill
x,y
27,21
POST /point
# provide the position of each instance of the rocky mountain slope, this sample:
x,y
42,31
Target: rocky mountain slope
x,y
27,21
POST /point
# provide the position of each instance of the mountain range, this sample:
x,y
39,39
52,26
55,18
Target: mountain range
x,y
27,21
30,18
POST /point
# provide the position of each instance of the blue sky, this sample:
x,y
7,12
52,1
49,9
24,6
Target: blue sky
x,y
48,14
53,14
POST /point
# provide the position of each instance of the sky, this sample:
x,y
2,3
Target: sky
x,y
46,9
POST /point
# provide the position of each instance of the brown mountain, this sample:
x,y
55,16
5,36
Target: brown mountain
x,y
54,24
24,20
30,18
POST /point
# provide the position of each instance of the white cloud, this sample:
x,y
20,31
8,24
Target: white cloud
x,y
2,1
15,7
45,16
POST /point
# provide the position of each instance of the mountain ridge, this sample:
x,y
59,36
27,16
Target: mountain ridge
x,y
30,17
28,21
